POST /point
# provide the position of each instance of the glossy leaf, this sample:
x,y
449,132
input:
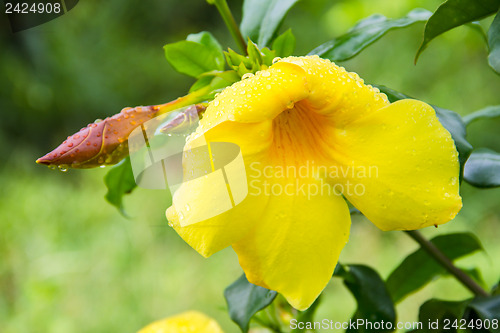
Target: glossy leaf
x,y
199,54
434,312
369,290
284,44
419,268
483,168
488,112
262,18
101,143
494,44
454,13
486,309
120,181
449,119
245,299
365,33
207,39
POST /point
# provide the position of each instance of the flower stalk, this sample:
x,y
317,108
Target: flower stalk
x,y
444,261
228,18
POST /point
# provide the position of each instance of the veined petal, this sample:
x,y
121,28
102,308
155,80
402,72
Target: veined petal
x,y
294,247
187,322
399,167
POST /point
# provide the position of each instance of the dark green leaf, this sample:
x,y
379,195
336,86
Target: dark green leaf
x,y
369,290
284,44
245,299
488,112
483,168
494,44
365,33
419,268
193,57
454,13
120,181
487,309
433,313
450,120
262,18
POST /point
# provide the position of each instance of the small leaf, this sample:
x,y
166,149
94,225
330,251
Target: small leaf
x,y
207,39
483,168
202,53
449,119
120,181
487,309
373,299
284,44
454,13
433,313
365,33
419,268
254,53
488,112
494,44
262,18
245,299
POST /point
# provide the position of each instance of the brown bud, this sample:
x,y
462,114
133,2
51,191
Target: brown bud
x,y
100,143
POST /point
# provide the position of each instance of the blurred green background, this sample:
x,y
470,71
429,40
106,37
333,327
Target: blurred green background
x,y
69,262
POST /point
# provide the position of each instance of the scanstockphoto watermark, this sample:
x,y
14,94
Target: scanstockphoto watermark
x,y
356,325
309,179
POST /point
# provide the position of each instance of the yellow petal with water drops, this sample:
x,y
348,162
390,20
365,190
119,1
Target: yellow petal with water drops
x,y
258,98
206,211
399,167
294,247
187,322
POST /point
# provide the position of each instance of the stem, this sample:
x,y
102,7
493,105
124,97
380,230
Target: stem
x,y
442,259
228,18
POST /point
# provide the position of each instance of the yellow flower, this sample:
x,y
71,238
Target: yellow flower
x,y
187,322
305,126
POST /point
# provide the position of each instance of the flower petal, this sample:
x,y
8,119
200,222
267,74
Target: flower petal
x,y
294,247
205,195
399,167
187,322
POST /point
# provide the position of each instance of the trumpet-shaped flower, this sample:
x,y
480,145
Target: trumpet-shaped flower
x,y
312,135
187,322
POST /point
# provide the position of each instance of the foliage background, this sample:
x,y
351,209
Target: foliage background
x,y
70,263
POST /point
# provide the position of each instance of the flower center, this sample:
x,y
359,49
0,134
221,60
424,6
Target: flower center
x,y
299,136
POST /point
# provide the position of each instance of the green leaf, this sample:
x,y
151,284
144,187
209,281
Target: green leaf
x,y
365,33
434,312
483,168
488,112
199,54
120,181
245,299
254,54
486,309
262,18
454,13
419,268
369,290
284,44
449,119
207,39
494,44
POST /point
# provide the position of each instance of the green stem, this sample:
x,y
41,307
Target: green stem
x,y
228,18
444,261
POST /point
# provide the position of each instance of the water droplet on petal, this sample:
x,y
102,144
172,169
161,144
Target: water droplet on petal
x,y
275,60
247,76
